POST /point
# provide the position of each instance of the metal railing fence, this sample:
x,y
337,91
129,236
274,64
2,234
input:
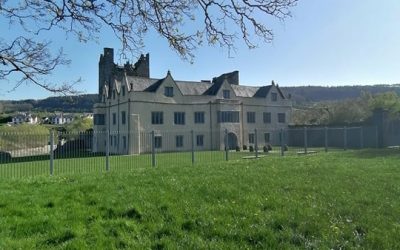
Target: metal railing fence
x,y
56,153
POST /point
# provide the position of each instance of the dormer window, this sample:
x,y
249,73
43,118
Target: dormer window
x,y
123,90
114,95
226,94
169,91
274,97
131,84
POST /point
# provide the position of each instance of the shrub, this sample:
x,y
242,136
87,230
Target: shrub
x,y
269,147
265,149
285,148
244,147
251,149
237,149
5,156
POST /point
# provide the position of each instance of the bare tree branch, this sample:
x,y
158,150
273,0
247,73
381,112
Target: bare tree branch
x,y
32,61
221,23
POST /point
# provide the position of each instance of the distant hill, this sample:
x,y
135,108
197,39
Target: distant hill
x,y
301,94
81,103
304,94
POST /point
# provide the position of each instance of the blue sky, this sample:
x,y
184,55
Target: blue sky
x,y
328,43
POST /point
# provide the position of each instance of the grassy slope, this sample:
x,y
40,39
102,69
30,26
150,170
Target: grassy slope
x,y
334,200
23,136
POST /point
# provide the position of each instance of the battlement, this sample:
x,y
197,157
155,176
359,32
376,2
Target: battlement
x,y
108,70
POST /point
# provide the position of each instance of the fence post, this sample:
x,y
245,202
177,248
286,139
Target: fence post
x,y
226,144
153,149
108,150
255,143
361,137
305,140
326,139
281,140
51,152
192,136
376,137
345,138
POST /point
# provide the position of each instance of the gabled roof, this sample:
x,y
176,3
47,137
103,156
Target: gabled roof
x,y
106,91
213,90
192,88
263,91
153,87
280,92
140,83
117,86
143,84
244,91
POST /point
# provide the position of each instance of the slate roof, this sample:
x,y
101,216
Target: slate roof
x,y
193,88
142,84
262,91
153,87
213,89
244,91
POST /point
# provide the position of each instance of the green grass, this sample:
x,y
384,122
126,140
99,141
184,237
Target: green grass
x,y
337,200
23,136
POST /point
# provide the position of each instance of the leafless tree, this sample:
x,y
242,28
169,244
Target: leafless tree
x,y
185,24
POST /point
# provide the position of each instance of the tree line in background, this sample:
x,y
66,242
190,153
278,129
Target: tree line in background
x,y
324,105
350,111
302,95
306,94
81,103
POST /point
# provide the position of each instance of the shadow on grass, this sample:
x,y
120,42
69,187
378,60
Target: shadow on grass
x,y
46,157
375,153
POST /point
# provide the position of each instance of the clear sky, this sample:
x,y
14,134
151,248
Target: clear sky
x,y
326,42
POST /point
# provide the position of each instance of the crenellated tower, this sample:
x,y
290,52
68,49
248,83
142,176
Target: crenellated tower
x,y
108,70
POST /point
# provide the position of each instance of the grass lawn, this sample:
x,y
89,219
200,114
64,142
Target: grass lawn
x,y
335,200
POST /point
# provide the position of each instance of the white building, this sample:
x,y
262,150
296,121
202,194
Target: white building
x,y
131,105
61,118
25,118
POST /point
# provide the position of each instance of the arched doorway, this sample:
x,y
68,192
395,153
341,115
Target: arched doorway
x,y
232,140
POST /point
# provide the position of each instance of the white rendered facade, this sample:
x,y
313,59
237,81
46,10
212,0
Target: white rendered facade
x,y
132,106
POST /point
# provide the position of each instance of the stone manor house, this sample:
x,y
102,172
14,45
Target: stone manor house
x,y
131,105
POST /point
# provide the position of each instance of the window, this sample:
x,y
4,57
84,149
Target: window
x,y
266,137
228,116
99,119
131,86
198,117
199,140
179,118
251,117
111,140
281,117
251,138
226,93
169,91
114,94
123,90
114,118
274,97
115,141
124,141
267,117
157,118
179,141
123,117
157,141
